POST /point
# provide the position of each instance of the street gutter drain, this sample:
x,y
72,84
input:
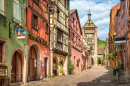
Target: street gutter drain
x,y
107,81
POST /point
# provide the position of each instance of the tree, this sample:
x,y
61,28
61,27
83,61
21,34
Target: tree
x,y
99,60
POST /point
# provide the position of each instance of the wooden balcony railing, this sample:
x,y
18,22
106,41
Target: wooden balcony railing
x,y
59,46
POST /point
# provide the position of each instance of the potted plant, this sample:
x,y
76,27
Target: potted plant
x,y
114,71
61,70
70,66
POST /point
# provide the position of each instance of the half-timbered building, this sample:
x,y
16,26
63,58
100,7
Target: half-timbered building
x,y
59,36
89,31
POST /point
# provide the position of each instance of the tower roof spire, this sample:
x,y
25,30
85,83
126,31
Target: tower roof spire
x,y
89,12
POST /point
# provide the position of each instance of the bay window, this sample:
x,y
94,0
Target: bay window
x,y
2,6
17,11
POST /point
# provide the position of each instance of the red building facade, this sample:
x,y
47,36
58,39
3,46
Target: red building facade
x,y
37,23
75,40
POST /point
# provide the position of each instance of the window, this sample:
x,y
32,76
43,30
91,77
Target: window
x,y
73,37
17,9
66,41
66,21
47,8
46,29
58,15
79,42
73,22
89,35
65,3
59,36
89,40
2,5
35,22
76,40
74,60
0,52
76,26
36,1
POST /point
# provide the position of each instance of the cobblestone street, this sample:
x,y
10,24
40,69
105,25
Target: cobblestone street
x,y
96,76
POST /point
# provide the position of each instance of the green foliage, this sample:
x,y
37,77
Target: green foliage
x,y
61,69
99,60
50,76
112,55
54,66
70,66
101,43
114,71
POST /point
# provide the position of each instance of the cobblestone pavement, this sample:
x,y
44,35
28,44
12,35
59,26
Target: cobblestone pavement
x,y
96,76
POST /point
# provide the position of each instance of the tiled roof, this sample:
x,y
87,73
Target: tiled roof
x,y
101,50
72,10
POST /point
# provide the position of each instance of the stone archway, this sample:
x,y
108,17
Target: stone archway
x,y
34,62
18,66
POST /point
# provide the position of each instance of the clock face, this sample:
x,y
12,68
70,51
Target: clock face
x,y
89,35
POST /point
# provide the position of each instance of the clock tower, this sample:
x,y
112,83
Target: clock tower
x,y
89,31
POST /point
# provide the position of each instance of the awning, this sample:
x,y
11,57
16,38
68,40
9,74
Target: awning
x,y
121,40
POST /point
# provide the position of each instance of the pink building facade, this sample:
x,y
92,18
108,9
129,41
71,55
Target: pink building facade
x,y
75,40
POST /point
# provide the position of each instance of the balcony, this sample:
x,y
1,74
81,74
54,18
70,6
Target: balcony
x,y
59,45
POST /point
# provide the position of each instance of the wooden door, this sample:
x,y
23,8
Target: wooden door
x,y
32,64
0,52
16,68
45,64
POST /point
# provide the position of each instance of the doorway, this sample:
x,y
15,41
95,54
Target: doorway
x,y
16,68
45,69
32,64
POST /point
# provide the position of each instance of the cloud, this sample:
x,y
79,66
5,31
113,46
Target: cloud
x,y
100,10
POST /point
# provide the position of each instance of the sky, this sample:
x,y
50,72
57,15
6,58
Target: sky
x,y
100,10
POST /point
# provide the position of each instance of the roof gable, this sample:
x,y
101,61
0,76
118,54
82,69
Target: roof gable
x,y
75,11
89,23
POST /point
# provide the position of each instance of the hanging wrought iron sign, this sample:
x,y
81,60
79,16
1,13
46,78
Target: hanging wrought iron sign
x,y
20,32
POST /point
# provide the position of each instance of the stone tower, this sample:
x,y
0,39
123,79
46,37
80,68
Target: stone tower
x,y
89,31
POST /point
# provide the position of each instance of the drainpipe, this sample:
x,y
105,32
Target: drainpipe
x,y
126,37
